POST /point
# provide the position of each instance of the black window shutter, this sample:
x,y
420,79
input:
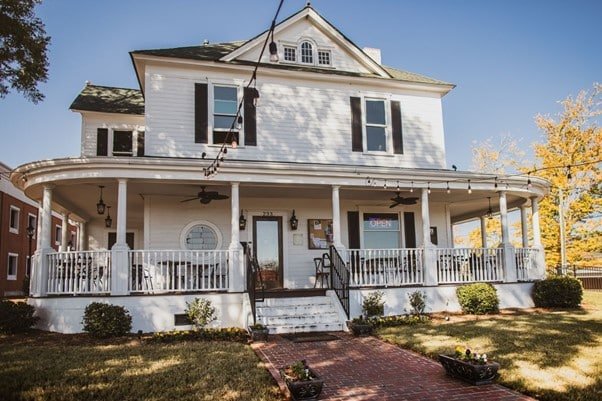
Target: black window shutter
x,y
102,142
356,124
250,118
201,113
396,127
140,144
353,229
410,229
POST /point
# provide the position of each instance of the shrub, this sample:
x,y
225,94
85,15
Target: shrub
x,y
417,302
398,320
478,298
373,304
16,317
563,292
104,320
234,334
200,312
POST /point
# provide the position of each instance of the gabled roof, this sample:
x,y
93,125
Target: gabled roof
x,y
106,99
208,52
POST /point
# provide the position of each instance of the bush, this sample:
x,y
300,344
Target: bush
x,y
104,320
373,304
398,320
562,292
200,312
478,298
417,302
234,334
16,317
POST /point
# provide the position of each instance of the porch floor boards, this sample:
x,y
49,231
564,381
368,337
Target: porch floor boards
x,y
366,368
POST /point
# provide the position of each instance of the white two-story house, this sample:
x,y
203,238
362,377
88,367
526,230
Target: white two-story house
x,y
338,155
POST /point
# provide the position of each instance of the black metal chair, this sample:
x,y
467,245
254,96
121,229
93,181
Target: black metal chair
x,y
323,267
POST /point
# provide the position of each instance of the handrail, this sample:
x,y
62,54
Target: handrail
x,y
339,277
252,280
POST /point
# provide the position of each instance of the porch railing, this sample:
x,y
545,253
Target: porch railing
x,y
385,267
254,284
525,262
339,277
79,272
467,265
178,271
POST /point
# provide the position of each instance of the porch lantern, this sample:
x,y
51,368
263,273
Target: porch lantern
x,y
108,220
242,222
294,222
100,206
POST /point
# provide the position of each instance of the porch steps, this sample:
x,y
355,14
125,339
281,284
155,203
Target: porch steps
x,y
299,314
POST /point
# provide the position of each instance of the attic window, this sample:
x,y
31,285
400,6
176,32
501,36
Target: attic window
x,y
307,53
290,54
323,57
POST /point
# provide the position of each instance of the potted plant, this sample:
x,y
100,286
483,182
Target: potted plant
x,y
360,326
258,332
469,366
302,382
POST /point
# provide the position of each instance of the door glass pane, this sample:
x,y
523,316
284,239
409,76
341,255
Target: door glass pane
x,y
267,245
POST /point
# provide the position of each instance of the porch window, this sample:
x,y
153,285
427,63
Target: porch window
x,y
381,230
376,126
225,105
201,237
14,219
122,143
13,260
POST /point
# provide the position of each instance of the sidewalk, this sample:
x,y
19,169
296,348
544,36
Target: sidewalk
x,y
365,368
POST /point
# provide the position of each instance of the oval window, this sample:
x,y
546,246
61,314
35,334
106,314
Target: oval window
x,y
201,237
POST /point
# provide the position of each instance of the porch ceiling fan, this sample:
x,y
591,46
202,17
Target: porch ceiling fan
x,y
206,197
400,200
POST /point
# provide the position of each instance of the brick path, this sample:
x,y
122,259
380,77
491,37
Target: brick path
x,y
365,368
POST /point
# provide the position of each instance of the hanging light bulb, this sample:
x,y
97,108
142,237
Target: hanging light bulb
x,y
225,151
369,180
239,123
568,172
469,187
255,94
529,185
448,190
412,186
385,186
397,186
495,183
429,188
234,143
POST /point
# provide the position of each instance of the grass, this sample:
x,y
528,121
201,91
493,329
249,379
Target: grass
x,y
60,367
553,355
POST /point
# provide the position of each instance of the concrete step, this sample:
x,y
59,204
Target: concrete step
x,y
305,328
289,310
297,319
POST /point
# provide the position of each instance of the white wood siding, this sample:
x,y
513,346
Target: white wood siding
x,y
92,121
297,121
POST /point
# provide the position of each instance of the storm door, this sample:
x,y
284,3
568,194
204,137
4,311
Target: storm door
x,y
267,247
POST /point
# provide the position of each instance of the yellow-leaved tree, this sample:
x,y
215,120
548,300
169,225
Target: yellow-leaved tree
x,y
573,140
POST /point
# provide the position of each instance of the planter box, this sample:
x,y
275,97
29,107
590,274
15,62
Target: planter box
x,y
259,334
360,329
471,373
303,390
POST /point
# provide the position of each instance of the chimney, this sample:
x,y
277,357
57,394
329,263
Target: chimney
x,y
373,53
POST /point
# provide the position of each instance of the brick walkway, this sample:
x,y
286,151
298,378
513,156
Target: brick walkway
x,y
369,369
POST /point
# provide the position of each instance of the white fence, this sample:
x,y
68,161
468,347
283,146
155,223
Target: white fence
x,y
468,265
385,267
178,271
525,262
79,272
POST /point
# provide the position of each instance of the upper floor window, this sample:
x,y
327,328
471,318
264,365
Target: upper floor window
x,y
117,142
15,212
290,54
225,105
323,57
307,53
376,126
123,143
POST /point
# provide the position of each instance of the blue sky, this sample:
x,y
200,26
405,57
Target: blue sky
x,y
509,59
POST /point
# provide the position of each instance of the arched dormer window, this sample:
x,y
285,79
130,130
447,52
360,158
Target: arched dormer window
x,y
307,53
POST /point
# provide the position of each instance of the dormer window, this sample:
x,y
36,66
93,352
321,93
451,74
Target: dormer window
x,y
307,53
324,57
290,54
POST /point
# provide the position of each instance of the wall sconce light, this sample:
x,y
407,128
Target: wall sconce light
x,y
108,220
242,222
100,206
294,222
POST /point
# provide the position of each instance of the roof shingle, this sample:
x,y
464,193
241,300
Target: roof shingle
x,y
108,99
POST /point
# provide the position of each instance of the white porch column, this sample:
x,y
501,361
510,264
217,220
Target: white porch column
x,y
430,262
64,232
39,226
336,218
119,252
483,231
83,236
237,268
539,272
39,272
510,275
524,226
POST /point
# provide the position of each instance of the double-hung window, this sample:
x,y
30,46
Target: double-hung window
x,y
123,143
376,126
13,260
15,213
225,105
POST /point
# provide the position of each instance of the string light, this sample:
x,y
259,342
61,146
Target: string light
x,y
397,186
385,186
429,188
469,187
412,187
448,190
495,184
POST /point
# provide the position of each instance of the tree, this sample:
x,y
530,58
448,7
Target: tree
x,y
23,58
498,158
572,139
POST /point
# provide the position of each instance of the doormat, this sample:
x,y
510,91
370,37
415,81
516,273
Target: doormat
x,y
309,337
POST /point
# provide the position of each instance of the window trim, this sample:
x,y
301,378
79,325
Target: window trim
x,y
12,277
189,226
135,129
387,126
211,106
11,228
289,47
327,51
35,225
58,234
312,51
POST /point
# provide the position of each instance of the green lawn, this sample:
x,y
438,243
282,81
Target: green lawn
x,y
551,355
54,367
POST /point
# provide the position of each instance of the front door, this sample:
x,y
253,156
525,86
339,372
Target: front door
x,y
267,248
